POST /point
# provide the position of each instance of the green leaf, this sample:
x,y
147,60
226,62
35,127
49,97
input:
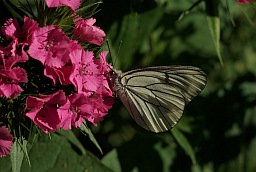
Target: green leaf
x,y
111,160
5,162
57,154
17,154
70,136
132,32
214,26
84,128
183,142
88,8
13,9
167,154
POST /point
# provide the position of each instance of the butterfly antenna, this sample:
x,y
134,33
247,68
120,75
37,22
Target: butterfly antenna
x,y
111,61
119,47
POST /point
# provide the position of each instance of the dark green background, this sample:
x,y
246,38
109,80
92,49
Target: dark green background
x,y
217,130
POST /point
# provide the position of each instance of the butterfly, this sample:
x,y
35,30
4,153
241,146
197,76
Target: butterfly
x,y
155,97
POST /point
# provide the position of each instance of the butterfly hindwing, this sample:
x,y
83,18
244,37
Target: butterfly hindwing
x,y
156,96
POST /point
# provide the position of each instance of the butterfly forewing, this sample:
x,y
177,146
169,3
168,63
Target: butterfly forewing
x,y
155,97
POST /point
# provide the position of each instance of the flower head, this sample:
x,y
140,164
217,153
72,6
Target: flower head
x,y
10,77
85,31
9,80
20,38
85,77
43,110
23,35
74,111
5,141
11,29
29,54
50,46
101,101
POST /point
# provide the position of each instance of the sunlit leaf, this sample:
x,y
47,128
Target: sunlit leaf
x,y
183,142
70,136
84,128
57,154
214,25
111,160
17,155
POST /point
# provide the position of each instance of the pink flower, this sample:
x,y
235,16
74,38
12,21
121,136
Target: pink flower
x,y
85,31
85,76
21,37
10,77
74,111
28,30
24,35
11,29
101,104
13,54
88,77
50,46
105,69
73,4
5,141
103,99
244,1
43,110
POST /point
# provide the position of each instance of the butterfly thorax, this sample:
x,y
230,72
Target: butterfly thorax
x,y
117,81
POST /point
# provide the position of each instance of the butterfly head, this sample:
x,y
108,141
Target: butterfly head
x,y
114,78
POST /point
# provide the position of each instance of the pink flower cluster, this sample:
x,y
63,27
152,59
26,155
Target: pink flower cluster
x,y
66,62
11,74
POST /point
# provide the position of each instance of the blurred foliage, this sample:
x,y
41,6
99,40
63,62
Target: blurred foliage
x,y
217,130
219,125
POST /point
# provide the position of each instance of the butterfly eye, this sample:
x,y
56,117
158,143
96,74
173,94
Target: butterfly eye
x,y
111,73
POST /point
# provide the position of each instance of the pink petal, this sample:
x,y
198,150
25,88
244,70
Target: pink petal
x,y
102,63
101,105
59,74
90,21
73,4
10,90
65,115
5,141
85,31
21,74
11,28
29,28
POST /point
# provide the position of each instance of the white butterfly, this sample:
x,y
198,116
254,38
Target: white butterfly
x,y
155,97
